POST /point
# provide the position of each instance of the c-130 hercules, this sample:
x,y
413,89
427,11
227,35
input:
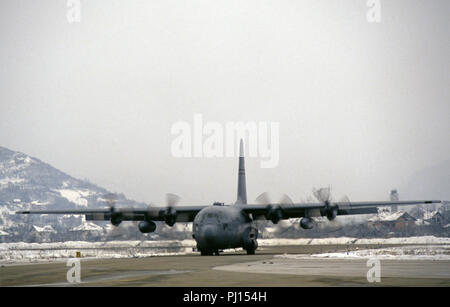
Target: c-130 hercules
x,y
217,227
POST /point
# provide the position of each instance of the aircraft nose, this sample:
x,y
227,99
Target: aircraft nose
x,y
209,232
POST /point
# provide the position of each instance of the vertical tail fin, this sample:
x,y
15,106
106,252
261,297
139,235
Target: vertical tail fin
x,y
242,189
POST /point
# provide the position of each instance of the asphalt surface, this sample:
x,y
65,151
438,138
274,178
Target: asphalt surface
x,y
264,269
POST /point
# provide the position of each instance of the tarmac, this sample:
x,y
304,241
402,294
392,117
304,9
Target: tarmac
x,y
233,269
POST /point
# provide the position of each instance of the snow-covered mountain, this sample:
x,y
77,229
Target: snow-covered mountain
x,y
26,183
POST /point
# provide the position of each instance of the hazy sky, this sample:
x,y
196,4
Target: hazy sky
x,y
362,106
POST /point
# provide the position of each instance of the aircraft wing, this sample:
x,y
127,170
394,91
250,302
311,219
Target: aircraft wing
x,y
183,213
258,211
294,210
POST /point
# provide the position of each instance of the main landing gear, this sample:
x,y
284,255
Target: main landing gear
x,y
250,251
209,252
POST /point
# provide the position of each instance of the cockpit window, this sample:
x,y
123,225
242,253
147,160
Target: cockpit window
x,y
213,217
218,217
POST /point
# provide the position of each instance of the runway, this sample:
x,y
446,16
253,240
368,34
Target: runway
x,y
270,267
343,267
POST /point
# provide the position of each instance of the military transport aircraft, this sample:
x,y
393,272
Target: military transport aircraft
x,y
217,227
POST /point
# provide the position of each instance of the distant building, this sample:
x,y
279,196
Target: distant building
x,y
394,197
437,219
88,227
87,231
42,234
398,220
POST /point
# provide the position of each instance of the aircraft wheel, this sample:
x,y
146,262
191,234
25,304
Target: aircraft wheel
x,y
250,251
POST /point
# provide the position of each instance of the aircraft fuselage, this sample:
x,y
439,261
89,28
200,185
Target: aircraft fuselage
x,y
222,227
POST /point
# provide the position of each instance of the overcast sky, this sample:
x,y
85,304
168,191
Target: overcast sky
x,y
361,106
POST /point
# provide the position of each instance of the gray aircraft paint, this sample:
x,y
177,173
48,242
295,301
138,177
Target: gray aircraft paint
x,y
242,189
220,227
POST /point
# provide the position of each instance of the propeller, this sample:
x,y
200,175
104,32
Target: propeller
x,y
329,210
284,225
344,202
170,214
116,217
323,194
286,200
275,210
263,198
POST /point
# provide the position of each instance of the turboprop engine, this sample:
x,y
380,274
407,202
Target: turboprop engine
x,y
147,226
330,211
306,223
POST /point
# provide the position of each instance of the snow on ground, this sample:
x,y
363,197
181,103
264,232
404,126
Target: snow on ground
x,y
87,245
13,253
4,182
46,228
87,226
386,216
429,214
20,252
410,252
38,203
75,196
420,222
349,240
18,162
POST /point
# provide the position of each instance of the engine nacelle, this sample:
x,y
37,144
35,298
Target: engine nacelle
x,y
170,217
147,226
274,214
330,211
116,220
306,223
